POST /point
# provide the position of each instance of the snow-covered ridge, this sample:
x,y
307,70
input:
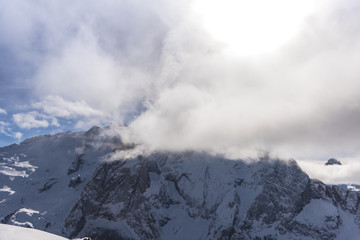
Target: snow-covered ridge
x,y
42,177
92,184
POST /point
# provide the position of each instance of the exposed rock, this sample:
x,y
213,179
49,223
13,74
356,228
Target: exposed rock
x,y
75,181
333,161
49,183
76,165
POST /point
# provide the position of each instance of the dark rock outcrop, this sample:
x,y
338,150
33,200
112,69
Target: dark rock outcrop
x,y
332,161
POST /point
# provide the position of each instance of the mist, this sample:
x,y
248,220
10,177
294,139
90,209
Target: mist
x,y
157,67
300,100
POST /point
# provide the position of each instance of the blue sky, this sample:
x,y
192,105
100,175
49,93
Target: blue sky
x,y
279,77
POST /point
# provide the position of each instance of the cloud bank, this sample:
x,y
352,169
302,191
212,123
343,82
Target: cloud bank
x,y
300,100
159,67
347,173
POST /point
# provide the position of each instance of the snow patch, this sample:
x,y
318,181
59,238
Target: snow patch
x,y
12,172
13,167
7,189
28,212
19,219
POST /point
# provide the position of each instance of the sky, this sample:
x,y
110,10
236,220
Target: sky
x,y
237,76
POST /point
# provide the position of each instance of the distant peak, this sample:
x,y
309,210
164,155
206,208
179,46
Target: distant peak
x,y
333,161
95,130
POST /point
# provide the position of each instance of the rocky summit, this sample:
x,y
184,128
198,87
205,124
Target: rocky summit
x,y
333,161
93,184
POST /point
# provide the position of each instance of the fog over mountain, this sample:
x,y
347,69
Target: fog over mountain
x,y
95,184
231,76
216,119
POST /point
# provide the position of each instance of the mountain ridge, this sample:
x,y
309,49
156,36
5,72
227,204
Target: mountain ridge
x,y
93,184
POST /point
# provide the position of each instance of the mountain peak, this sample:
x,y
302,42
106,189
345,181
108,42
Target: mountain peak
x,y
333,161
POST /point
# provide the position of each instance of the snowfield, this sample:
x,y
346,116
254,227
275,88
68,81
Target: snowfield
x,y
9,232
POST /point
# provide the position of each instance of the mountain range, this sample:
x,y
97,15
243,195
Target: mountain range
x,y
94,184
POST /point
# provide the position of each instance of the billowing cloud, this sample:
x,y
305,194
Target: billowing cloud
x,y
106,55
163,68
300,100
31,120
50,109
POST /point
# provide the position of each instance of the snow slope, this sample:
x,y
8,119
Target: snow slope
x,y
8,232
42,178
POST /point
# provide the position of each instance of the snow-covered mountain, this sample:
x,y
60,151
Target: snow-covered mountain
x,y
42,178
92,184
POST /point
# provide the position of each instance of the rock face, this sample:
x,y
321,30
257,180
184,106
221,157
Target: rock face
x,y
165,195
199,196
333,161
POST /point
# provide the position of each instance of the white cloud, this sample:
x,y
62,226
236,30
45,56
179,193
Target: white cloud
x,y
102,62
348,172
300,101
103,54
50,109
18,135
100,80
56,106
3,111
30,120
6,130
